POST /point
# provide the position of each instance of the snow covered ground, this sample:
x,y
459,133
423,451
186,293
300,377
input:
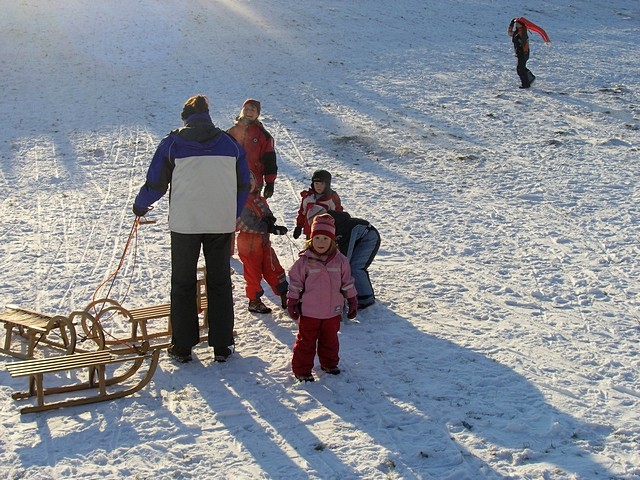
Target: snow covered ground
x,y
505,340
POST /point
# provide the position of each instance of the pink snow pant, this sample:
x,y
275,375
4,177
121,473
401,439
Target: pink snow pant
x,y
316,335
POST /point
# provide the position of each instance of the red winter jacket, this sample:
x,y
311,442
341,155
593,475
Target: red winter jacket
x,y
256,216
260,149
328,200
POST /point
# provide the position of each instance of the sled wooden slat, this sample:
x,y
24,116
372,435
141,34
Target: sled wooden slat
x,y
140,316
149,313
99,387
36,328
56,364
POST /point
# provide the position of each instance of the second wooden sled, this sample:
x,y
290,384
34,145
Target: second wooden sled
x,y
99,387
36,328
110,372
122,326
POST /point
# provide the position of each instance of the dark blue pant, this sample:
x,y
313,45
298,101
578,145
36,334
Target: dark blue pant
x,y
523,72
185,251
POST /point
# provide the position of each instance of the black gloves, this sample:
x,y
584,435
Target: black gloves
x,y
293,309
297,232
273,228
278,230
268,190
139,211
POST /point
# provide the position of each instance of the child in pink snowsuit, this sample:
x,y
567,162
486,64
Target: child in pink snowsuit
x,y
319,282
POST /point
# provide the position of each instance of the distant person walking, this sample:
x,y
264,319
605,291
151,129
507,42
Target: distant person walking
x,y
518,31
520,39
209,179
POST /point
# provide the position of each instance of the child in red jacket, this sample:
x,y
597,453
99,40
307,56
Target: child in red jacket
x,y
258,258
320,281
320,197
258,145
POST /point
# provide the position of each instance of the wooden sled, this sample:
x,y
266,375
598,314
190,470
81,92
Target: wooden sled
x,y
141,328
120,342
110,370
100,386
36,328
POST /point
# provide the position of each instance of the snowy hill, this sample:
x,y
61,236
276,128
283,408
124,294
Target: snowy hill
x,y
505,340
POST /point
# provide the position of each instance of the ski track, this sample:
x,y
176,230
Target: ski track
x,y
569,303
522,323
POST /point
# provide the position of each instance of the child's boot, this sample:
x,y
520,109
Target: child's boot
x,y
256,306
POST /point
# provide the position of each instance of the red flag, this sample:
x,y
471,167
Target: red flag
x,y
534,28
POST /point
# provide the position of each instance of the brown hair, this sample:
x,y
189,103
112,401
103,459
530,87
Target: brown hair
x,y
308,245
196,104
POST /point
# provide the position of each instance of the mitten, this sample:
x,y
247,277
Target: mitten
x,y
279,230
353,307
292,308
268,190
297,232
139,211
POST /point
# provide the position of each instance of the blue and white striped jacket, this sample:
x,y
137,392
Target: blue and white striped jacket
x,y
208,174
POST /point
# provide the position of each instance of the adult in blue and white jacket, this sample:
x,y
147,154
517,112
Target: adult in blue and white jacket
x,y
209,178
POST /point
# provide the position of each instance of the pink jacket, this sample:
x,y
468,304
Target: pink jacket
x,y
321,284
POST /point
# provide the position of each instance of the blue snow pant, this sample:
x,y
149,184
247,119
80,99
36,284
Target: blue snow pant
x,y
365,242
185,252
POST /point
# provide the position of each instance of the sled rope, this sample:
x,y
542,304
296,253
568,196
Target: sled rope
x,y
133,235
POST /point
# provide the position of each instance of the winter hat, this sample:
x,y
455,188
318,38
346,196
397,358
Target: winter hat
x,y
323,224
253,102
321,176
195,104
315,210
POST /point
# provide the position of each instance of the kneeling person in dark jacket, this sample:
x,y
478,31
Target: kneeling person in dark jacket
x,y
359,241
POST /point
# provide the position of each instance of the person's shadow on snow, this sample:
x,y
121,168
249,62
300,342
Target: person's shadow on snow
x,y
434,407
73,433
428,408
440,408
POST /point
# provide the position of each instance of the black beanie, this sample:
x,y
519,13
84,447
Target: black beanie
x,y
323,176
